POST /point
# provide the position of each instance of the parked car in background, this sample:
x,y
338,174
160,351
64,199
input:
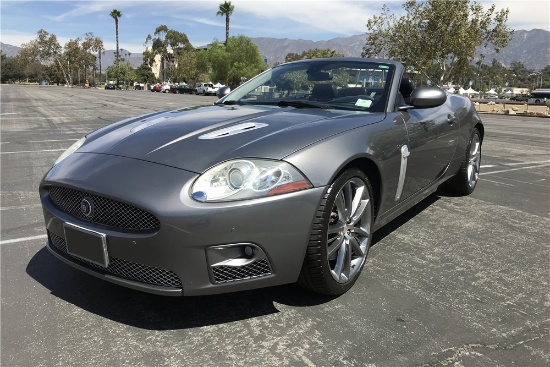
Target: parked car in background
x,y
521,98
206,88
283,180
139,86
165,88
111,84
182,89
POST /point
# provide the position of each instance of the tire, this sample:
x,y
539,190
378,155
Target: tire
x,y
465,180
340,237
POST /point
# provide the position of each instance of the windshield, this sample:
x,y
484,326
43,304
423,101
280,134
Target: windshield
x,y
350,85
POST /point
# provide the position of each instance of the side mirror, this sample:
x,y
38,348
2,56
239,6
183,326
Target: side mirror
x,y
426,97
223,91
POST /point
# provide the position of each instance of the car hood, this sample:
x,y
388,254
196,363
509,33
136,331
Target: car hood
x,y
197,138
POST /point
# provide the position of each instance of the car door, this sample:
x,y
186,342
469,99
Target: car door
x,y
432,139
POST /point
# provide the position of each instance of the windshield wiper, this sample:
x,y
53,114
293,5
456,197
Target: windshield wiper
x,y
229,103
301,103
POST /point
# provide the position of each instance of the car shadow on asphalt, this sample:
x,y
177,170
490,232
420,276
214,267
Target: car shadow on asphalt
x,y
381,233
153,312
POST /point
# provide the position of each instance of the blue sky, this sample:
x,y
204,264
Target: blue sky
x,y
299,19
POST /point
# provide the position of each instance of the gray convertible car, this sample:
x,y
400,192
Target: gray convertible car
x,y
283,180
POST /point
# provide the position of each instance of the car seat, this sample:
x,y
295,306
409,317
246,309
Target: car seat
x,y
323,92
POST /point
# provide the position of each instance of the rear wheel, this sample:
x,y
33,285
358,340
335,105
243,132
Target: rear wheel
x,y
341,235
466,179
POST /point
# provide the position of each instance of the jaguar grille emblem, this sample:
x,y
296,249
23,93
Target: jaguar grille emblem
x,y
87,207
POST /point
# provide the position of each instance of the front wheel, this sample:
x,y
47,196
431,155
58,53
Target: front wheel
x,y
341,235
466,179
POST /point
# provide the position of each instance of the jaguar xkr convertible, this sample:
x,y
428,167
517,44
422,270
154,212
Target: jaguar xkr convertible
x,y
283,180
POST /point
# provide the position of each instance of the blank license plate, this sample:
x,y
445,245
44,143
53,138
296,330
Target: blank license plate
x,y
86,244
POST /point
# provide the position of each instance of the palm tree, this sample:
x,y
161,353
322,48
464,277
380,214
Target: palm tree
x,y
116,14
226,9
98,47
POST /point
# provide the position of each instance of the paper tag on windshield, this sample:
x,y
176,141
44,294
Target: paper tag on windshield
x,y
363,103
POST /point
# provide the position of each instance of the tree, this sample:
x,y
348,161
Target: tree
x,y
93,44
188,69
235,62
116,14
313,54
166,44
72,52
545,77
144,74
121,72
45,49
437,37
226,9
13,68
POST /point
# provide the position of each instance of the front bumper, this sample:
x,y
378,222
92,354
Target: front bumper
x,y
192,239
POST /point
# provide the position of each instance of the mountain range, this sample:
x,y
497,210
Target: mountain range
x,y
532,48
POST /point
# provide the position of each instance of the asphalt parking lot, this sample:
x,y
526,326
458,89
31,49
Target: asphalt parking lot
x,y
455,281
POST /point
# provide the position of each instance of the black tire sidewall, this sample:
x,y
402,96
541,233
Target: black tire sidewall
x,y
316,267
462,184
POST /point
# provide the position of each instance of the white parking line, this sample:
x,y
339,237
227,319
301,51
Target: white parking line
x,y
522,182
512,169
49,141
35,151
23,239
20,207
520,163
498,183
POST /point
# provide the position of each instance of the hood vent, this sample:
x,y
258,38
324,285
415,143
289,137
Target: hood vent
x,y
233,130
146,123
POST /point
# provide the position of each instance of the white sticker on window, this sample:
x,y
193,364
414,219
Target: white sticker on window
x,y
363,103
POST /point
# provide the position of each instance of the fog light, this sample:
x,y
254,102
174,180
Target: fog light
x,y
249,251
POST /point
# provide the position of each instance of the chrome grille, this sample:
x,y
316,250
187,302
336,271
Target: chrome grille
x,y
121,268
107,212
224,273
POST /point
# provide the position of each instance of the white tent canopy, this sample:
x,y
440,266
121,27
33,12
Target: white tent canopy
x,y
491,91
470,91
508,93
461,91
451,90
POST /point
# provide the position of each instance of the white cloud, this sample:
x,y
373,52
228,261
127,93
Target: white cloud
x,y
15,38
525,14
342,17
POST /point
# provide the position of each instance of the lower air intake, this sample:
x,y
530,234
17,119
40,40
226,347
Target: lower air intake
x,y
224,273
120,268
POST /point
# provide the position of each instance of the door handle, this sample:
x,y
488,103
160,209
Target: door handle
x,y
451,119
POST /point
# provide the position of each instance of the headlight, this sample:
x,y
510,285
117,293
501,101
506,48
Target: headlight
x,y
71,150
246,179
